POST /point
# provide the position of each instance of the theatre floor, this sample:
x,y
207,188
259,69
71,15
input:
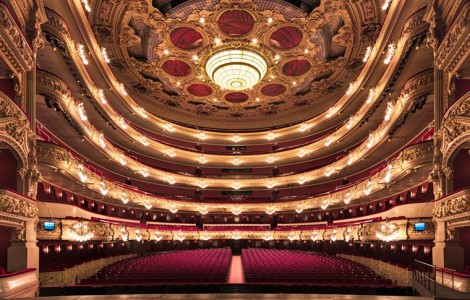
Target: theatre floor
x,y
239,296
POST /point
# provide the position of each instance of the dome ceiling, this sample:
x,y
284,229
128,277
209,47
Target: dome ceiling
x,y
311,58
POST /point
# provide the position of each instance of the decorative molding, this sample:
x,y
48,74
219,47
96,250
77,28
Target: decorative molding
x,y
455,46
14,48
126,231
111,13
455,130
417,86
15,130
16,206
454,206
58,158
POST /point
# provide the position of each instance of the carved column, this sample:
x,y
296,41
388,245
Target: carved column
x,y
31,98
447,252
23,252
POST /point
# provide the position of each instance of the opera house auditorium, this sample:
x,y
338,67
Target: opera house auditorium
x,y
235,149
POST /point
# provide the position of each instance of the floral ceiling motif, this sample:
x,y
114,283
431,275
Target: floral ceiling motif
x,y
311,57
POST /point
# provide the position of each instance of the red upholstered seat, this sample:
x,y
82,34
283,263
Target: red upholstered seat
x,y
188,266
284,266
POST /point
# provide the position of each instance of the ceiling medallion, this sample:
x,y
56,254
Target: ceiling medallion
x,y
236,69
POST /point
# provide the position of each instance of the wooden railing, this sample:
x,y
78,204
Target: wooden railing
x,y
73,276
398,275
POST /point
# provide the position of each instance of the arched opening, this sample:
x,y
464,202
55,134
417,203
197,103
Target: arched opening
x,y
461,167
8,167
5,238
464,235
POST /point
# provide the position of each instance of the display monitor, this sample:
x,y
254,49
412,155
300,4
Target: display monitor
x,y
48,225
420,226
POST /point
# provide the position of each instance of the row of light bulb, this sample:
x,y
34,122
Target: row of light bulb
x,y
236,161
236,138
202,159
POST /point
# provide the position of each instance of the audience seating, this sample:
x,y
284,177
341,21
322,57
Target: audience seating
x,y
176,267
296,267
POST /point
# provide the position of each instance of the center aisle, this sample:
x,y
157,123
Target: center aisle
x,y
236,270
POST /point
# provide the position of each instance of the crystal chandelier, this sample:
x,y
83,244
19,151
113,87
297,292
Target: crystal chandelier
x,y
81,232
236,69
388,232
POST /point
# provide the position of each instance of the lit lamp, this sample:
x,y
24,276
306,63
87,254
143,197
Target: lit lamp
x,y
236,69
81,232
388,231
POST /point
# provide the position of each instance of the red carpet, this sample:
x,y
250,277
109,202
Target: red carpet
x,y
236,270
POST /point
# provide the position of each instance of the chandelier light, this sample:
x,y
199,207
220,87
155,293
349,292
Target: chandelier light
x,y
304,127
236,185
350,123
333,235
314,235
268,236
271,136
147,204
124,234
367,54
270,159
292,236
86,5
370,96
302,179
347,198
180,236
81,112
158,235
81,53
173,209
102,140
236,211
105,55
81,174
236,235
202,184
201,136
102,96
388,174
270,184
390,52
138,235
236,69
122,159
144,171
350,89
81,232
124,198
302,152
103,189
236,138
143,112
123,123
388,232
205,236
203,210
123,89
270,210
389,111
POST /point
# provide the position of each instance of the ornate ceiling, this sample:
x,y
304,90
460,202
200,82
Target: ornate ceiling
x,y
311,58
